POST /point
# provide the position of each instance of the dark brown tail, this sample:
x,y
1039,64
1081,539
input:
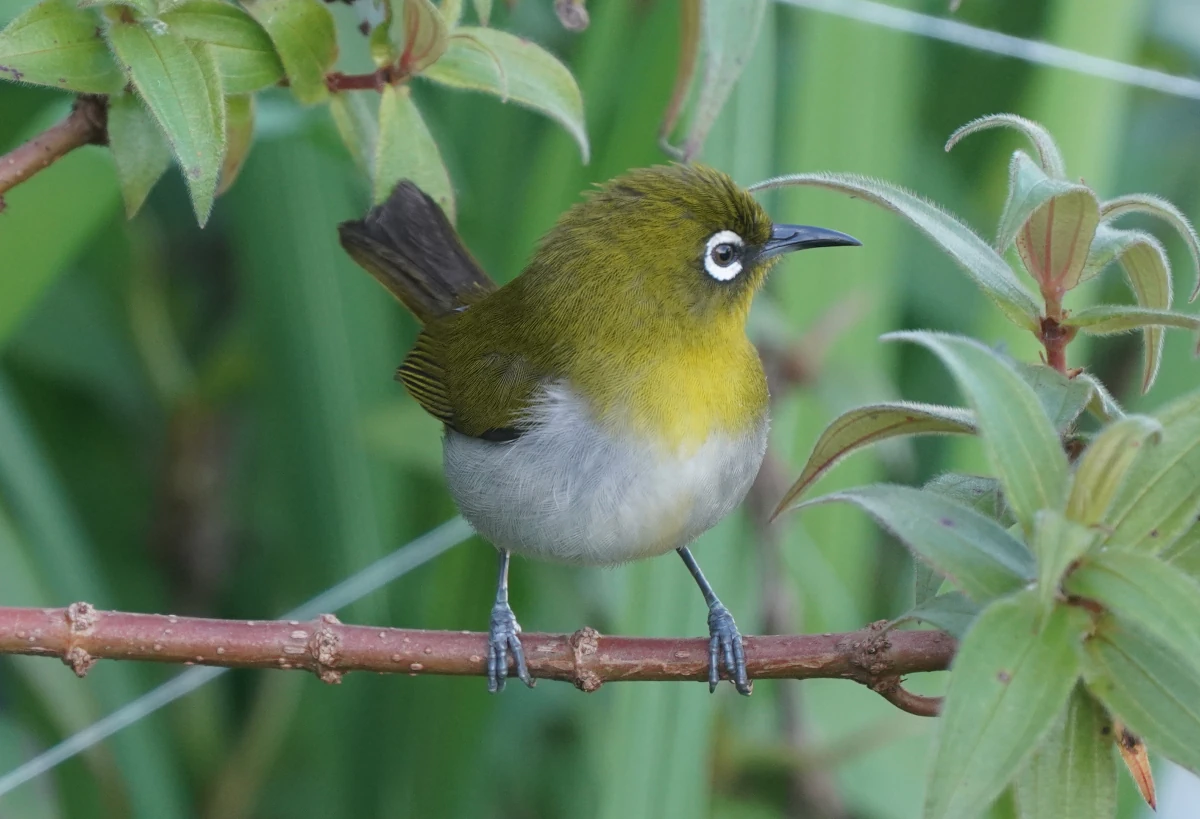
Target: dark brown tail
x,y
412,249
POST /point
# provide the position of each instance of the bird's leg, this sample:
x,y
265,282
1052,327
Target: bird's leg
x,y
503,635
725,641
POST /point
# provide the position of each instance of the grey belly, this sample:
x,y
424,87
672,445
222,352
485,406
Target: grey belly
x,y
567,490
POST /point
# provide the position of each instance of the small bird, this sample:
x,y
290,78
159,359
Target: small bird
x,y
605,405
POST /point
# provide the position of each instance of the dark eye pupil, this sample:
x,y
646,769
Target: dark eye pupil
x,y
723,255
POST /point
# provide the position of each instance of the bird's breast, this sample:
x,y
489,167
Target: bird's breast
x,y
576,489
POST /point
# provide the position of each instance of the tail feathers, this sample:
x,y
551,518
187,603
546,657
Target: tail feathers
x,y
412,249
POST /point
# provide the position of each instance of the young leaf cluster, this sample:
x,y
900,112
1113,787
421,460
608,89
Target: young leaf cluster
x,y
1064,235
180,78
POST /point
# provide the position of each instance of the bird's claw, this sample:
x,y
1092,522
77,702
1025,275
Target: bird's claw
x,y
725,645
503,637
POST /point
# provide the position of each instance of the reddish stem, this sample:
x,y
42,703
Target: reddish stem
x,y
85,125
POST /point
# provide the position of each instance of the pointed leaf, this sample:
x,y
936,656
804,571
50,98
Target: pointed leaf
x,y
1048,153
981,263
953,612
1145,591
1057,543
483,10
1137,760
981,494
244,54
863,426
358,125
729,32
1029,190
139,150
1072,774
406,150
1160,498
1161,208
975,552
1101,404
1104,464
239,135
1054,239
451,12
1020,442
1149,275
483,59
420,30
181,88
1106,319
1149,687
1063,398
305,40
1008,682
1184,554
56,43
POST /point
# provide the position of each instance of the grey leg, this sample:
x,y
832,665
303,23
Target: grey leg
x,y
503,636
725,641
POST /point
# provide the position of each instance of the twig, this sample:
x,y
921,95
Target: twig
x,y
85,125
80,635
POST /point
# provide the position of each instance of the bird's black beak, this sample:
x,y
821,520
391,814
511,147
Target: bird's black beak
x,y
786,238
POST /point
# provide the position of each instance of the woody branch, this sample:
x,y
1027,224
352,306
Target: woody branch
x,y
80,635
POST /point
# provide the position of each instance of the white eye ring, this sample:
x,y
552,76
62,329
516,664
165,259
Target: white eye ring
x,y
718,244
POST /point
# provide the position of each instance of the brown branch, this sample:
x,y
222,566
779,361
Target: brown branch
x,y
80,635
85,125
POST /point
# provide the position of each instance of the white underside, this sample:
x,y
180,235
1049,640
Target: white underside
x,y
567,490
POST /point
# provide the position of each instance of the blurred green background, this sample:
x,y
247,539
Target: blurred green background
x,y
204,422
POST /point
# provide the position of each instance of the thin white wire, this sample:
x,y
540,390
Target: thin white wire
x,y
982,39
358,585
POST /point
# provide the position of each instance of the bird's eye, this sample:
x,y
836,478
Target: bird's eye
x,y
722,255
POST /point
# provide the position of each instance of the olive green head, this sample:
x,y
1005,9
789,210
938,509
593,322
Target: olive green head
x,y
682,239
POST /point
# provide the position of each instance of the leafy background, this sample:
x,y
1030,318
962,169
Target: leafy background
x,y
205,422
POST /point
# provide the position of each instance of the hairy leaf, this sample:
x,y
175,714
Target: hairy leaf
x,y
952,612
358,125
975,552
981,263
1020,441
1161,208
1106,319
1053,223
1064,399
863,426
421,32
139,150
1049,156
305,40
182,89
58,44
239,135
406,150
1057,543
1008,682
244,54
1100,404
1103,466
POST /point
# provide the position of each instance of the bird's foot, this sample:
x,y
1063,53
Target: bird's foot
x,y
504,637
725,645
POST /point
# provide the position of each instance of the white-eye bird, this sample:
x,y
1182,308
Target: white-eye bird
x,y
605,405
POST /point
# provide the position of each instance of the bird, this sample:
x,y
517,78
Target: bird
x,y
605,405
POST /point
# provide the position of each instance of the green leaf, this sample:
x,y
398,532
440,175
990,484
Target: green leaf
x,y
863,426
1154,690
1106,319
1100,404
483,10
181,87
1057,543
1161,208
1184,554
1149,275
244,54
147,8
496,62
406,150
1053,223
421,29
58,44
1064,399
1044,208
139,150
728,34
982,264
358,125
1160,499
451,12
1008,682
1019,439
1047,151
1072,774
980,493
953,612
305,40
975,552
1143,590
690,13
1103,466
239,135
